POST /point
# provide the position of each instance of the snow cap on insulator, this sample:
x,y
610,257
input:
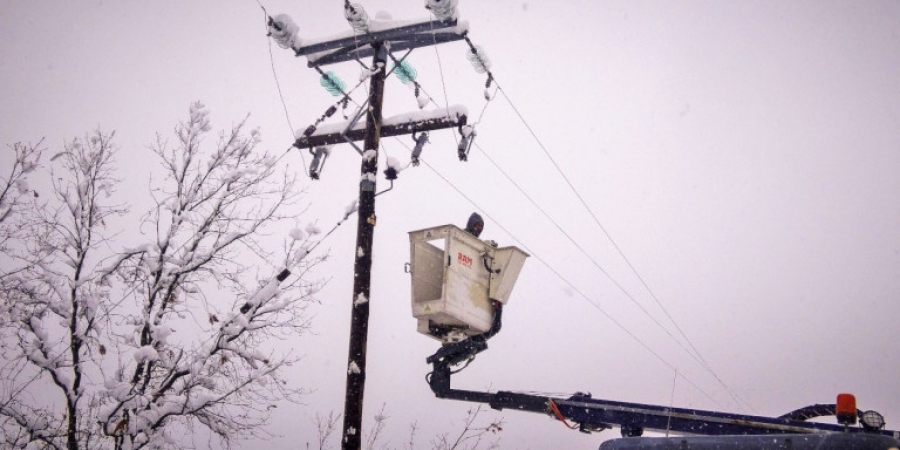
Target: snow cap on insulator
x,y
442,9
356,15
284,31
393,168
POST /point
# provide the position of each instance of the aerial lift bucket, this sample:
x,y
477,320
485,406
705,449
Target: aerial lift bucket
x,y
455,276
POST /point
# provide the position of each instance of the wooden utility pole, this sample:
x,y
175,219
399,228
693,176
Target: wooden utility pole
x,y
362,268
359,44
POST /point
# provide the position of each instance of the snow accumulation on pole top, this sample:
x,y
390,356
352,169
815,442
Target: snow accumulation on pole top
x,y
401,34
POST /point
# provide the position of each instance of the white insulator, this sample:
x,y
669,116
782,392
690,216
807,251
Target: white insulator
x,y
442,9
479,59
357,17
284,31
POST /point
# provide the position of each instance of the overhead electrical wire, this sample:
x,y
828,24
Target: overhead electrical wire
x,y
696,357
287,116
441,71
482,65
696,352
583,251
570,285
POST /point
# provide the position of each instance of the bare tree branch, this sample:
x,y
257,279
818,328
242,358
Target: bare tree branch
x,y
472,435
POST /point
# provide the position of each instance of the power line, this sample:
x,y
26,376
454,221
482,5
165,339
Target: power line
x,y
585,253
287,116
568,283
696,353
441,71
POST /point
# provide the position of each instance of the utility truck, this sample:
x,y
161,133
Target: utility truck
x,y
460,285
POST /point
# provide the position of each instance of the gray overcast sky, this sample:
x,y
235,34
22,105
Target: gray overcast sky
x,y
744,156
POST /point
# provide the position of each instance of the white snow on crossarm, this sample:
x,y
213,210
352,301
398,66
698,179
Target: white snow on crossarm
x,y
400,119
376,25
453,111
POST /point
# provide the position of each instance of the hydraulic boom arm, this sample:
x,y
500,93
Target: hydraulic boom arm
x,y
633,418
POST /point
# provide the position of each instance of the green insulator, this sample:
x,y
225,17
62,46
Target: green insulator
x,y
332,83
405,72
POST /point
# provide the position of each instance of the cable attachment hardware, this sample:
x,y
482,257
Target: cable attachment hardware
x,y
407,74
421,139
465,144
487,86
391,172
482,64
345,102
487,265
312,128
320,154
357,17
421,97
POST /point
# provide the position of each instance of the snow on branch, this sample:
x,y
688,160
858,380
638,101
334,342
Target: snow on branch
x,y
169,329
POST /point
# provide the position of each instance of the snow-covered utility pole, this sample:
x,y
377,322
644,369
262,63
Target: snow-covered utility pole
x,y
378,39
362,268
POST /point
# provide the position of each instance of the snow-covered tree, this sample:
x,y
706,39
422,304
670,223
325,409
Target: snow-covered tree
x,y
15,196
167,340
